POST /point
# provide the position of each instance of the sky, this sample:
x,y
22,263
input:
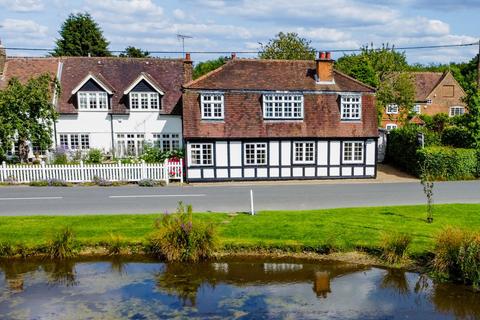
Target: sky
x,y
240,25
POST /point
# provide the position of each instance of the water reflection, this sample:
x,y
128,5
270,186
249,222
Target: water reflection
x,y
119,288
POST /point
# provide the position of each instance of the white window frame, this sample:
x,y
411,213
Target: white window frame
x,y
74,141
303,150
125,140
209,103
161,140
352,104
100,98
203,149
354,145
136,96
452,110
417,109
258,147
429,101
391,126
281,106
392,108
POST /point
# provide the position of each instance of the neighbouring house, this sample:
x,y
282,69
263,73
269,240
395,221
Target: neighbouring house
x,y
112,103
279,119
435,92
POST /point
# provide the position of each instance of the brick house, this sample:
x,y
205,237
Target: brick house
x,y
276,119
114,104
435,92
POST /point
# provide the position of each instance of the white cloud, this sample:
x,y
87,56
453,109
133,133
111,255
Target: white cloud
x,y
127,7
22,5
179,14
23,27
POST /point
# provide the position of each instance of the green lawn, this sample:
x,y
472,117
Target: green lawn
x,y
344,228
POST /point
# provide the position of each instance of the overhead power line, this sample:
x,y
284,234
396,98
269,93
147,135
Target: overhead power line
x,y
256,52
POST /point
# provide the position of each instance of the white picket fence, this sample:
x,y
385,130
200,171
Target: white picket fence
x,y
134,172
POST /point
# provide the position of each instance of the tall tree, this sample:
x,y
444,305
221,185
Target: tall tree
x,y
81,36
397,89
207,66
288,46
27,114
132,52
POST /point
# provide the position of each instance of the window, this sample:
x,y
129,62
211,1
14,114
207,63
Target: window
x,y
92,100
212,106
353,152
456,111
130,144
167,141
255,153
351,107
304,152
144,100
391,126
429,101
74,141
282,106
417,109
392,108
201,154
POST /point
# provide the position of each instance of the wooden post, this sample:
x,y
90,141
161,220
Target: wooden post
x,y
166,173
181,171
252,210
144,169
4,171
82,171
44,171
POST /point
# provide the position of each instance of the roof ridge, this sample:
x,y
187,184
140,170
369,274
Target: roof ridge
x,y
208,74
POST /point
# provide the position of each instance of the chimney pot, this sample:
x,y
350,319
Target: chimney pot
x,y
322,55
328,56
187,56
324,66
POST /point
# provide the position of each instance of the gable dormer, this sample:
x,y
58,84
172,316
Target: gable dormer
x,y
93,94
144,94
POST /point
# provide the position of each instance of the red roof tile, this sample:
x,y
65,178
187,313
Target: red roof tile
x,y
425,82
27,68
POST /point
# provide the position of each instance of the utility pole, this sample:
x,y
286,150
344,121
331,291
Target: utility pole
x,y
182,37
478,66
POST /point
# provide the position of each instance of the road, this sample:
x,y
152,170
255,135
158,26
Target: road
x,y
22,200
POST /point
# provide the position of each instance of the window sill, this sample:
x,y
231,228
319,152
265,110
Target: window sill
x,y
282,120
94,110
304,162
351,120
352,162
212,120
144,110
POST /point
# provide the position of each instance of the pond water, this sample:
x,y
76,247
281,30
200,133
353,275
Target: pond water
x,y
234,289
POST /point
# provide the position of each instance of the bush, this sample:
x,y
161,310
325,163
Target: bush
x,y
101,182
178,238
153,154
62,245
6,250
446,163
150,183
457,256
39,183
94,156
436,122
402,146
60,156
57,183
394,246
458,137
115,245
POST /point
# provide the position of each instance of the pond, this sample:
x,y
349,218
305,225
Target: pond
x,y
236,289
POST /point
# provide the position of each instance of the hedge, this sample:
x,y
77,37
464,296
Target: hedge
x,y
446,163
402,146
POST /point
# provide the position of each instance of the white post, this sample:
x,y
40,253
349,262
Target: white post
x,y
4,171
252,210
166,173
143,169
82,171
181,171
120,171
44,171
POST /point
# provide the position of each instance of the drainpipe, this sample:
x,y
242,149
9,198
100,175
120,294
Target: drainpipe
x,y
113,140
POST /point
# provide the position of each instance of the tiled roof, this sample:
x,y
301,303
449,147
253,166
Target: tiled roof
x,y
425,82
256,74
119,73
27,68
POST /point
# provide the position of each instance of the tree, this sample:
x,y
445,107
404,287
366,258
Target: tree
x,y
81,36
397,89
288,46
132,52
27,114
207,66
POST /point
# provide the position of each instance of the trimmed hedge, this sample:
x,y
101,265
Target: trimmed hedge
x,y
402,146
446,163
459,137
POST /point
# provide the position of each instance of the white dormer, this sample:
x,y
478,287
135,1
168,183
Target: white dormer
x,y
92,99
144,98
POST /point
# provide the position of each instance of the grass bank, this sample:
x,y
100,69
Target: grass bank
x,y
312,230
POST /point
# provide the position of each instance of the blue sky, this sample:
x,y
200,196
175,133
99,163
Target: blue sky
x,y
239,25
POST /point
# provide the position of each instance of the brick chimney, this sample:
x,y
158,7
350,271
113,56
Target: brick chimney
x,y
324,68
3,58
187,68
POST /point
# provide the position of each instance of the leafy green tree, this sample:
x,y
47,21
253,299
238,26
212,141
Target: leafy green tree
x,y
288,46
80,35
27,114
397,89
207,66
132,52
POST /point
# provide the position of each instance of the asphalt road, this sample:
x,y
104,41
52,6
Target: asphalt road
x,y
20,200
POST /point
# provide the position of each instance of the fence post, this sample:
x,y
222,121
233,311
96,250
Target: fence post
x,y
120,171
4,171
181,170
82,171
144,169
166,172
44,171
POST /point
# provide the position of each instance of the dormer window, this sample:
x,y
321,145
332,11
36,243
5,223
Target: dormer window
x,y
92,100
144,101
212,106
351,107
282,106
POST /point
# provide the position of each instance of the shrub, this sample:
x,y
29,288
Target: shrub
x,y
115,245
458,137
402,146
457,256
94,156
394,246
446,163
38,183
178,238
437,122
151,154
6,250
60,156
150,183
62,245
102,182
57,183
